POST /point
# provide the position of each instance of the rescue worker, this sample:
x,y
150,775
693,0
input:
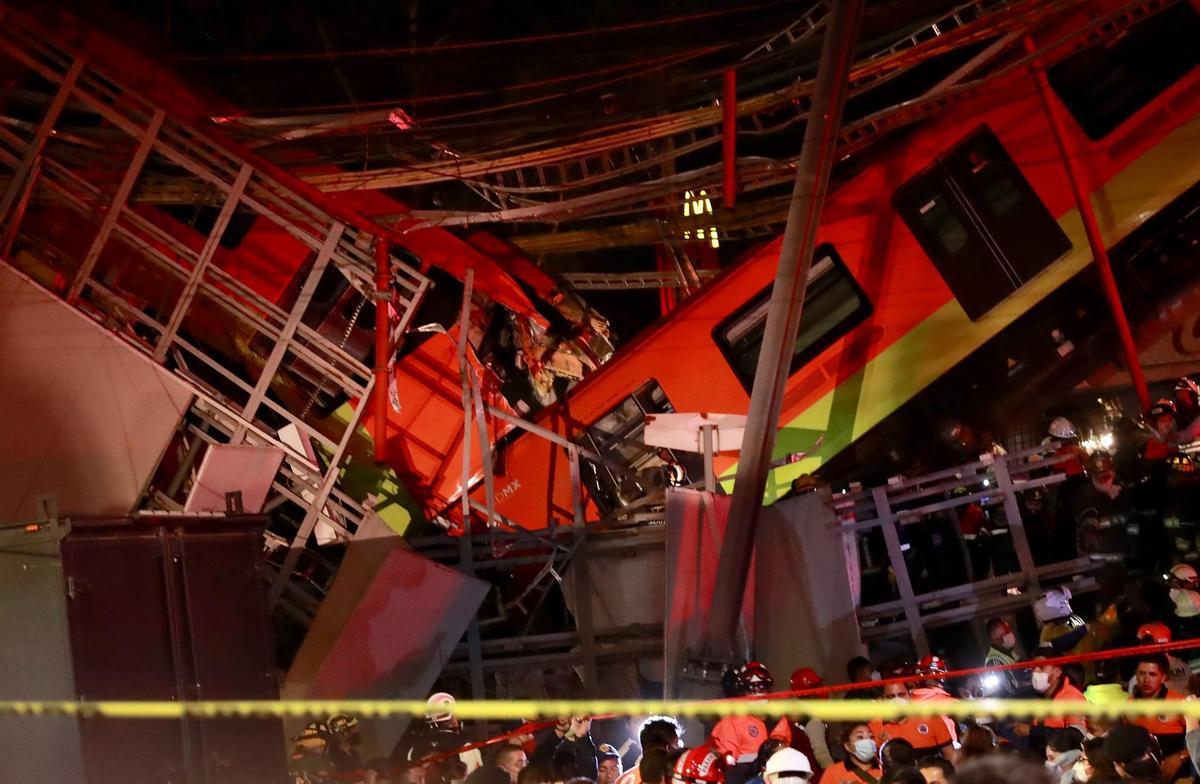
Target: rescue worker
x,y
806,734
701,765
344,738
934,689
440,731
1150,684
928,735
1107,688
1102,513
1179,674
739,737
1186,397
308,761
1184,591
1049,682
861,763
1061,629
1157,454
1003,651
1062,532
787,766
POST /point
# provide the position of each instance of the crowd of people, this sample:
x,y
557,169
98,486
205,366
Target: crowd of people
x,y
1136,506
1130,497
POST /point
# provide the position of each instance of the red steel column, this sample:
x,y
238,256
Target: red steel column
x,y
1092,228
729,136
383,295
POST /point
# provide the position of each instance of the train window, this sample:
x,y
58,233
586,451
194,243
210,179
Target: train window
x,y
616,437
833,305
980,222
1105,84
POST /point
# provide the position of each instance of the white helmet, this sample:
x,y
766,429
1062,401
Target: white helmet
x,y
785,764
1185,573
1061,427
439,708
1053,605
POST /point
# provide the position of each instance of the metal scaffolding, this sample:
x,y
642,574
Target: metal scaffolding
x,y
232,400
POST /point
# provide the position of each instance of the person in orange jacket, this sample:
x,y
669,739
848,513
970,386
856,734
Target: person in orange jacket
x,y
1150,683
861,765
928,735
739,738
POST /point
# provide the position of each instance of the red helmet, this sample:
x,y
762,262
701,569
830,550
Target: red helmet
x,y
805,678
932,665
701,765
1157,632
751,678
1186,387
1161,408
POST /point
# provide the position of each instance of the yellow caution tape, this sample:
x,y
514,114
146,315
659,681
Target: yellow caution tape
x,y
829,710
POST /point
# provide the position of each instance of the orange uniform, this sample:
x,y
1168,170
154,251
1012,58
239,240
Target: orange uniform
x,y
1067,692
739,737
839,773
1160,725
925,733
937,694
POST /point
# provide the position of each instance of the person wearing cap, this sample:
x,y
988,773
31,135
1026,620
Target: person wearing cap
x,y
787,766
806,734
608,764
1063,630
934,690
927,734
1135,755
1003,651
1150,678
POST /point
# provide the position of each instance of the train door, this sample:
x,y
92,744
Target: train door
x,y
980,222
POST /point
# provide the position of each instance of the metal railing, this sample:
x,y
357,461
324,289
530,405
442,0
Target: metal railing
x,y
237,388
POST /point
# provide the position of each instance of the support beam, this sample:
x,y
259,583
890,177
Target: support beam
x,y
45,128
1091,227
289,329
1016,527
783,321
891,539
729,137
313,513
464,369
205,258
581,577
120,198
383,296
466,560
14,225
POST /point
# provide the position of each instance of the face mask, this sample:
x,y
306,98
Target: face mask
x,y
1010,641
865,750
1041,681
1081,772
